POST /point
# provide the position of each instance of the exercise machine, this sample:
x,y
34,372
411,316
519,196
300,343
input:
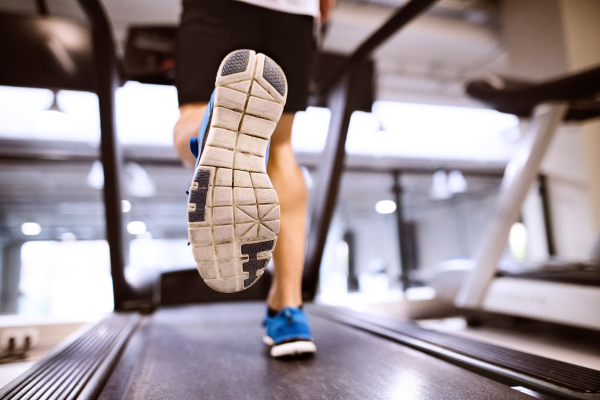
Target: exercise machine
x,y
565,293
176,340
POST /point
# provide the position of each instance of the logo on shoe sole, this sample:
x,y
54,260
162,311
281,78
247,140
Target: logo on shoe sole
x,y
198,196
254,264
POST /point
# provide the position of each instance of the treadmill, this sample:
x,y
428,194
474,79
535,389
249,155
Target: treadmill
x,y
554,291
177,339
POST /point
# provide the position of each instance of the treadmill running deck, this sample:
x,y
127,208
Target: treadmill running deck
x,y
214,351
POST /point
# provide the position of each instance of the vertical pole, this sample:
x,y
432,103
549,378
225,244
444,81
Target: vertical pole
x,y
352,277
404,241
544,195
343,101
110,151
10,276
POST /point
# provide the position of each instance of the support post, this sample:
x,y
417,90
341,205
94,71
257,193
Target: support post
x,y
110,151
10,276
404,240
345,91
545,196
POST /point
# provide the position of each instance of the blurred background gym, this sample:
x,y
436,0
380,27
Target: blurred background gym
x,y
419,187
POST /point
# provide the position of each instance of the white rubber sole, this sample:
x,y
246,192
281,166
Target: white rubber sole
x,y
233,211
298,348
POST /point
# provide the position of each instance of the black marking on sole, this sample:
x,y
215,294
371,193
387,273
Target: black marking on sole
x,y
198,196
253,264
237,62
273,74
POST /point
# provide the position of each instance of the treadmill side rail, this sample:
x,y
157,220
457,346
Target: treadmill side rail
x,y
508,366
79,368
545,301
520,173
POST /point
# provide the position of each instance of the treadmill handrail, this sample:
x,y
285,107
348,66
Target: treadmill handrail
x,y
343,100
520,173
572,87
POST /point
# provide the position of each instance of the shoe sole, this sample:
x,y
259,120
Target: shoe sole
x,y
299,348
233,211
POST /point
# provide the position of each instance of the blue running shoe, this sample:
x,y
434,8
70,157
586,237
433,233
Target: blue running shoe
x,y
288,333
233,211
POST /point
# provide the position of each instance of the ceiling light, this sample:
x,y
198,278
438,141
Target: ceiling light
x,y
95,178
136,227
140,184
31,228
456,182
385,207
125,206
439,186
68,237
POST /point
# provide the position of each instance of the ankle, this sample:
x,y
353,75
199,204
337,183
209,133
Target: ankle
x,y
276,305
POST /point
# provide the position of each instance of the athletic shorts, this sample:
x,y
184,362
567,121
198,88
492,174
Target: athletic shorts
x,y
210,29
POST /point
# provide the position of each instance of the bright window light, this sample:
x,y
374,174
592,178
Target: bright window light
x,y
429,131
309,132
146,114
31,228
66,280
517,240
136,227
28,113
125,206
385,207
54,121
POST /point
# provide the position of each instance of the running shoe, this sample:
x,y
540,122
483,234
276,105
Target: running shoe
x,y
288,333
233,211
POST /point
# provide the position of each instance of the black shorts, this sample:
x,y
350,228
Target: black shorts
x,y
210,29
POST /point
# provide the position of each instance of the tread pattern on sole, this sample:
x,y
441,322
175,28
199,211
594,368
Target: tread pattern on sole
x,y
237,62
233,208
273,74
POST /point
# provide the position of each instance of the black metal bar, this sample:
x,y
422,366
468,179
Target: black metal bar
x,y
352,273
325,190
110,151
345,98
403,16
520,97
404,242
544,195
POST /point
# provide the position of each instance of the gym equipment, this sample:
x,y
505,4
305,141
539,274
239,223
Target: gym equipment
x,y
163,344
567,293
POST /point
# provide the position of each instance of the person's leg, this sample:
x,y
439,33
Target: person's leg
x,y
209,30
186,127
288,181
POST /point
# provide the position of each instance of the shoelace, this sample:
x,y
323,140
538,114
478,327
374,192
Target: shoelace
x,y
288,315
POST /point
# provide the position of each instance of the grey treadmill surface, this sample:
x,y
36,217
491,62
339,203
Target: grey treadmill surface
x,y
214,351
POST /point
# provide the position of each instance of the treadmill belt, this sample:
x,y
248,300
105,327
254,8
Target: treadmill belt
x,y
214,351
